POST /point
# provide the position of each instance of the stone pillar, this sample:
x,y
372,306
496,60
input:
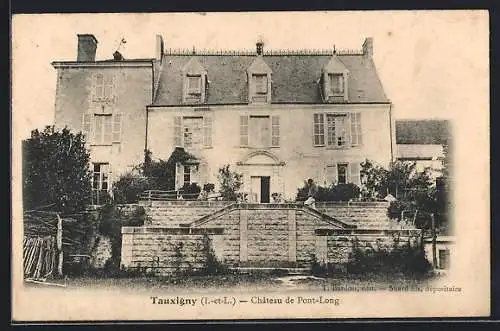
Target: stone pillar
x,y
292,236
218,246
243,235
322,249
127,246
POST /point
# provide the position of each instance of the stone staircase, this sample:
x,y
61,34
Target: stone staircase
x,y
365,215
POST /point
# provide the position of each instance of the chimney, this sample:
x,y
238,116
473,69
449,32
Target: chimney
x,y
260,47
159,48
368,47
87,45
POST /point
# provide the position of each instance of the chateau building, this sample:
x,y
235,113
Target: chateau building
x,y
276,116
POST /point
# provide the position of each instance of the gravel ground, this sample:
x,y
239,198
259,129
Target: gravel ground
x,y
239,282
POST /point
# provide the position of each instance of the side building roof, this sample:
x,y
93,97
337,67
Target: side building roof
x,y
423,132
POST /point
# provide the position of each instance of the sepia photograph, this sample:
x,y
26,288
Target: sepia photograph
x,y
250,165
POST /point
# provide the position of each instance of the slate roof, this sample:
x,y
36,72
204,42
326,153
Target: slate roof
x,y
294,78
422,132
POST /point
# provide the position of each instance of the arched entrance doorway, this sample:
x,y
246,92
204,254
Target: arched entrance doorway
x,y
262,176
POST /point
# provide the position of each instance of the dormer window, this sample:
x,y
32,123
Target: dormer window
x,y
259,82
194,85
334,81
336,84
194,82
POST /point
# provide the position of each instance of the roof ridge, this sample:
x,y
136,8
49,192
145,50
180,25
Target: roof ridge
x,y
270,52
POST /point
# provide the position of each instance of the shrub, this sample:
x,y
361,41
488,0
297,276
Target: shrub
x,y
340,192
209,187
129,186
190,191
230,182
403,259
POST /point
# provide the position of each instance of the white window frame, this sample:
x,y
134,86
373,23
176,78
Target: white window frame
x,y
196,90
343,165
179,131
101,179
352,135
91,121
340,80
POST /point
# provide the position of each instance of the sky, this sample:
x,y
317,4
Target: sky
x,y
432,64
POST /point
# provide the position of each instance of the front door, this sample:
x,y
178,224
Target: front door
x,y
260,189
264,189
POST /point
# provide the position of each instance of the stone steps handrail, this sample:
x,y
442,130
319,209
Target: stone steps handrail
x,y
274,206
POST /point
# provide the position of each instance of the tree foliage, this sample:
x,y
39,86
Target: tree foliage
x,y
150,175
414,190
230,182
56,170
339,192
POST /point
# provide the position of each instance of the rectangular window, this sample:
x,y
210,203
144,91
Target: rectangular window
x,y
356,138
319,130
259,131
103,86
100,182
102,129
187,174
336,83
260,83
192,128
336,130
342,173
194,84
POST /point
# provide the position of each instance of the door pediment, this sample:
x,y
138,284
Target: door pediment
x,y
261,158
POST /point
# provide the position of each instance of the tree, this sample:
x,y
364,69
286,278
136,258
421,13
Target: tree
x,y
56,170
414,190
230,183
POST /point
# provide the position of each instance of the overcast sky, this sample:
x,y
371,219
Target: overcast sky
x,y
431,64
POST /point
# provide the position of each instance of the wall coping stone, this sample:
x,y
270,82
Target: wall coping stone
x,y
170,230
339,232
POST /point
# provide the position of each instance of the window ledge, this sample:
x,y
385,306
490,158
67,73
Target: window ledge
x,y
94,144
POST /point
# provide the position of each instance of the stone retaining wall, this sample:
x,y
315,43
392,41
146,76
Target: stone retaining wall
x,y
335,246
163,251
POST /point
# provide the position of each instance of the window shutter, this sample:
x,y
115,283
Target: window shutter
x,y
178,131
98,124
354,176
113,88
275,130
202,174
331,174
117,127
359,129
108,129
318,129
356,138
179,175
99,85
244,130
207,131
87,124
